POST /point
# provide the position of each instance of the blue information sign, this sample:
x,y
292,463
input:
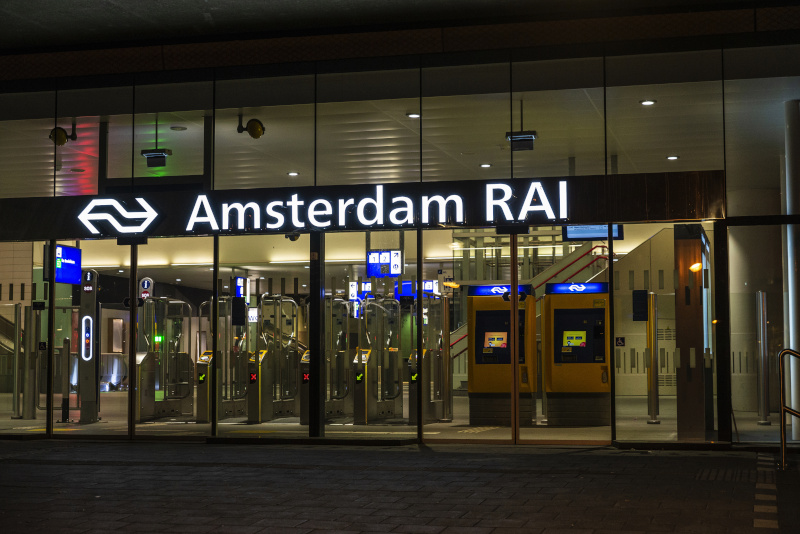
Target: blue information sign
x,y
496,291
68,265
576,288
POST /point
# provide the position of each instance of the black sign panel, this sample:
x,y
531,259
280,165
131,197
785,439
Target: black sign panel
x,y
509,203
303,209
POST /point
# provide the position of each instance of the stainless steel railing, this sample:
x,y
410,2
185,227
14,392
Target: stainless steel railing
x,y
784,408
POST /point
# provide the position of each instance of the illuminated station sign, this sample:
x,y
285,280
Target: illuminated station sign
x,y
283,210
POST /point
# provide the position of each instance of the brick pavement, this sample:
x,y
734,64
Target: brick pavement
x,y
84,486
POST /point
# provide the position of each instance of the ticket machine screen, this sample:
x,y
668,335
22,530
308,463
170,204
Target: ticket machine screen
x,y
574,338
492,327
495,339
582,335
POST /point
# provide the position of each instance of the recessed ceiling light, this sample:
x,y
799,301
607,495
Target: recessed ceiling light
x,y
413,115
122,270
178,128
293,173
486,165
672,158
647,102
177,279
77,169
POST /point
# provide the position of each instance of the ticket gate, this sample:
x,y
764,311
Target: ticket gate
x,y
234,350
274,369
378,365
489,365
433,373
339,368
575,354
205,395
30,366
165,371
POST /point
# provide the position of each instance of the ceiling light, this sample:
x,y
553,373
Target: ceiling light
x,y
178,128
177,279
293,173
672,158
254,127
485,165
696,267
122,270
522,140
647,102
413,115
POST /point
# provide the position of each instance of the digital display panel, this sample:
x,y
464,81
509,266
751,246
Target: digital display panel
x,y
383,263
68,265
409,290
574,338
590,232
495,339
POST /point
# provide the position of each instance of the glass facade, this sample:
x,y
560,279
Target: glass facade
x,y
221,345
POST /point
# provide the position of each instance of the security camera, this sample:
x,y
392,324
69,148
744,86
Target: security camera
x,y
294,236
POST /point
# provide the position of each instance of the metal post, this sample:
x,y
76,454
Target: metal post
x,y
513,337
652,347
29,370
763,370
65,361
15,410
51,337
133,321
792,247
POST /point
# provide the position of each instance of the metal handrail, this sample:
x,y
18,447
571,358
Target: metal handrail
x,y
784,408
570,264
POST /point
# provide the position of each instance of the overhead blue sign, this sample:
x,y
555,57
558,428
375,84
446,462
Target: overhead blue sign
x,y
577,288
68,265
409,289
381,263
496,291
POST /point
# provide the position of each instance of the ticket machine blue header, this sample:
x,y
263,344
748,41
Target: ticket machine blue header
x,y
576,288
496,291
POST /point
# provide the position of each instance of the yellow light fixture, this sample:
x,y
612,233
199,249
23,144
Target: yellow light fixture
x,y
59,135
696,267
254,127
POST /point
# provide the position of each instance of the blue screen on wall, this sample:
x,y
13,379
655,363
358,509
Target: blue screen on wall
x,y
68,265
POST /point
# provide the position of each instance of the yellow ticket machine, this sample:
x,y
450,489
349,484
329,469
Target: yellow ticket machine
x,y
489,370
575,354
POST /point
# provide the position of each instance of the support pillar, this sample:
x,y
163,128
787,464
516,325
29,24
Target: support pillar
x,y
792,248
316,337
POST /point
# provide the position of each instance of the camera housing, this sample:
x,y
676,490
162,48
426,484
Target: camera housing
x,y
294,236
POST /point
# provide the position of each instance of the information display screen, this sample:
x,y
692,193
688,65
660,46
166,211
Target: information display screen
x,y
590,232
68,265
495,339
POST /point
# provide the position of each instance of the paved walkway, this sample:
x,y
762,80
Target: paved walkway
x,y
79,486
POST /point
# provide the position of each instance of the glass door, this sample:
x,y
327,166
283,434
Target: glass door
x,y
665,359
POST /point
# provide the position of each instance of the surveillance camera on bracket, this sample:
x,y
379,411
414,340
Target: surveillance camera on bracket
x,y
294,236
